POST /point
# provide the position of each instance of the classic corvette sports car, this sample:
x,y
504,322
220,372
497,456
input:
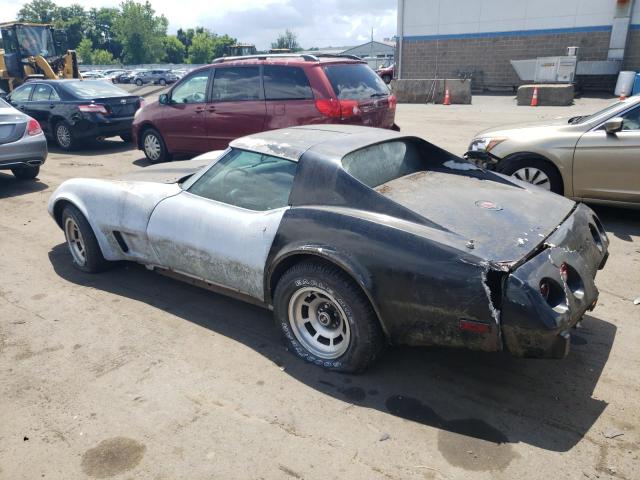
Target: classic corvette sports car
x,y
356,237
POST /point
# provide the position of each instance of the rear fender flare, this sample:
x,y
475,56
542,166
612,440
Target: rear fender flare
x,y
288,258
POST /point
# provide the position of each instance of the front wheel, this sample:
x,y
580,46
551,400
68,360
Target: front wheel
x,y
326,319
82,242
26,173
536,171
162,82
139,82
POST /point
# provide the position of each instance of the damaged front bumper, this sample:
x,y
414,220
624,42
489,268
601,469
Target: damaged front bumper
x,y
548,294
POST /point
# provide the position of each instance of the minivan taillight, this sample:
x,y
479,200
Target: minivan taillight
x,y
393,101
332,107
33,127
93,108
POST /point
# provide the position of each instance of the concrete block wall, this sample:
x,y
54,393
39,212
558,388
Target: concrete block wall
x,y
489,57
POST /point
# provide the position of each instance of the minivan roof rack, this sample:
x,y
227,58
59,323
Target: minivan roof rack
x,y
264,56
339,55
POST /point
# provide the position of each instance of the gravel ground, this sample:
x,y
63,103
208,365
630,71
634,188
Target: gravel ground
x,y
131,375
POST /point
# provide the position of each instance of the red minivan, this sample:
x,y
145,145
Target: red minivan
x,y
230,98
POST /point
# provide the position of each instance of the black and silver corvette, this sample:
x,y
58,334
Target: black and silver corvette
x,y
357,238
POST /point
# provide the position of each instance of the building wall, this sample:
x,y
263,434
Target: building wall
x,y
480,37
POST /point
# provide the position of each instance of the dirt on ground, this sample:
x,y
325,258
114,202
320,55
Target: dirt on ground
x,y
132,375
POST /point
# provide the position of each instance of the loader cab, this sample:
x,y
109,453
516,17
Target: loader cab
x,y
28,40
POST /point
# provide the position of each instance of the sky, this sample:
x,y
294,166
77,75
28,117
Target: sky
x,y
317,23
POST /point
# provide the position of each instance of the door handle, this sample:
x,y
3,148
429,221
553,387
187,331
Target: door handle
x,y
199,109
211,108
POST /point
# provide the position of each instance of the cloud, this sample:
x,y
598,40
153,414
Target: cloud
x,y
317,23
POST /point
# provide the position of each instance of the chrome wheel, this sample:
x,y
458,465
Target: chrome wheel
x,y
63,136
319,323
152,147
534,176
75,241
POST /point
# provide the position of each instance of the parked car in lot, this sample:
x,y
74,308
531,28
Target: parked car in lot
x,y
357,237
128,76
113,75
157,77
71,111
594,158
386,73
238,96
23,147
92,75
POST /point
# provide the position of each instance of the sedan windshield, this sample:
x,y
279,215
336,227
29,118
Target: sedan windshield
x,y
94,89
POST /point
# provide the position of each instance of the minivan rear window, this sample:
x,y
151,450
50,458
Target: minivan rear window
x,y
355,81
286,83
378,164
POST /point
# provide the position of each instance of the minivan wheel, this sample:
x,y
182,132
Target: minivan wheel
x,y
536,171
326,319
26,173
64,137
154,147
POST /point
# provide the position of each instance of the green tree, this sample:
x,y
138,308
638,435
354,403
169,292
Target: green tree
x,y
101,30
141,32
289,40
102,57
74,21
174,49
221,42
38,11
202,48
85,51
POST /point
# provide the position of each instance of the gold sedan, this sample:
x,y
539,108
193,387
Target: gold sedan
x,y
594,158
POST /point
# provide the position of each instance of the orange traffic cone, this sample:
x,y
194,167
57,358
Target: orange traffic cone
x,y
447,98
534,98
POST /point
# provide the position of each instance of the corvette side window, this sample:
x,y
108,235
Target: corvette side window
x,y
249,180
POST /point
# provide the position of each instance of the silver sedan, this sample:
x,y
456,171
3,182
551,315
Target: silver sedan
x,y
23,147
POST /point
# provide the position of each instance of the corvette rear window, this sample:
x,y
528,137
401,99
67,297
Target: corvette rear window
x,y
383,162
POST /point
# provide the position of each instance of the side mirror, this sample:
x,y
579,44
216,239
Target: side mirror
x,y
163,99
613,125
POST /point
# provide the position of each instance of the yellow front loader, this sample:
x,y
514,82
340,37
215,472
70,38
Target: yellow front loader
x,y
32,50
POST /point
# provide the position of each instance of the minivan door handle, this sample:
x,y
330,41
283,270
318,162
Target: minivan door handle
x,y
199,109
211,108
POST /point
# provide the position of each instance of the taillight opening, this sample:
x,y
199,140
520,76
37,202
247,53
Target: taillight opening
x,y
572,279
93,108
553,293
33,127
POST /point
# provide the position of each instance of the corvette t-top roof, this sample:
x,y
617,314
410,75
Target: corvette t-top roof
x,y
330,140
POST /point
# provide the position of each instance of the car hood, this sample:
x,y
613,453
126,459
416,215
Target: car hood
x,y
534,129
170,172
498,218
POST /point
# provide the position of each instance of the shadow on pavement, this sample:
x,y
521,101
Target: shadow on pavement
x,y
621,222
476,401
91,149
10,186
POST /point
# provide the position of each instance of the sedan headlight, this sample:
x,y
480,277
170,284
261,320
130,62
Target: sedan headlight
x,y
485,144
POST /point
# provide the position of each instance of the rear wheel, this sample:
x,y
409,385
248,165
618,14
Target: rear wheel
x,y
162,82
139,82
25,173
534,170
326,319
64,136
154,146
82,242
386,79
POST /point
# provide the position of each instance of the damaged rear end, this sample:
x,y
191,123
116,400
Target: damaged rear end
x,y
547,295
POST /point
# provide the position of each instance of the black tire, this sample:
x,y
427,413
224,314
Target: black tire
x,y
162,82
163,155
66,141
94,260
516,162
367,340
386,79
126,137
139,82
26,173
